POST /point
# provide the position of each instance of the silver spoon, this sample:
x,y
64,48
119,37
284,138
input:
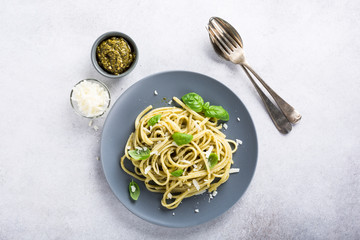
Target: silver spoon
x,y
228,44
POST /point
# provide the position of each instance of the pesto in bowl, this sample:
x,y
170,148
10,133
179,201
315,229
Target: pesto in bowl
x,y
114,54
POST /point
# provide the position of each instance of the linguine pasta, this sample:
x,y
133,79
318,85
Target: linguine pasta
x,y
167,158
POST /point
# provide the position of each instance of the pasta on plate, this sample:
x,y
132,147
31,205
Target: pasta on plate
x,y
178,152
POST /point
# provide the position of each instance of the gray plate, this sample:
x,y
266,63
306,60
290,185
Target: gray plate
x,y
120,123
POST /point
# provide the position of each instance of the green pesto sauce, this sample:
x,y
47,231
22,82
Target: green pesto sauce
x,y
114,55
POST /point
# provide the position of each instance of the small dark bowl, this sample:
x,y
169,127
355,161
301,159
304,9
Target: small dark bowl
x,y
107,36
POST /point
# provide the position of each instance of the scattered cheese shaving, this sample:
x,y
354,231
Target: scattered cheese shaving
x,y
138,148
207,153
147,169
154,152
196,210
96,128
238,141
128,147
133,188
173,214
90,123
197,126
238,119
201,192
185,161
196,184
225,126
155,93
169,196
214,193
234,170
170,102
147,130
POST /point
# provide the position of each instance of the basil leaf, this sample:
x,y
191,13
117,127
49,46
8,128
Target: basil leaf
x,y
213,160
154,120
182,138
217,112
193,101
134,190
140,154
206,106
177,173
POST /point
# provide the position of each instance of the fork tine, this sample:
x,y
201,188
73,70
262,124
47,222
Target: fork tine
x,y
219,38
226,36
214,39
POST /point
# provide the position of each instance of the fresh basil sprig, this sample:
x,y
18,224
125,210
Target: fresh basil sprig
x,y
196,103
213,160
177,173
217,112
134,190
140,154
182,138
193,101
154,120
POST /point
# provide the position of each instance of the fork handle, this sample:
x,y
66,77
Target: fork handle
x,y
291,114
278,118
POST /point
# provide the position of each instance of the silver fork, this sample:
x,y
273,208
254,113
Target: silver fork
x,y
228,43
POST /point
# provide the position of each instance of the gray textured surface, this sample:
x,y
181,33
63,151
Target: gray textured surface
x,y
306,185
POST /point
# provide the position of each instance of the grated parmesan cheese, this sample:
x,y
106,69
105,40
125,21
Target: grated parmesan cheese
x,y
225,126
196,184
185,161
201,192
147,169
238,119
155,93
207,153
146,130
169,196
170,102
96,128
133,188
90,123
234,170
91,98
238,142
214,193
197,210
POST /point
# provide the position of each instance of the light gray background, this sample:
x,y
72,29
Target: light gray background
x,y
306,185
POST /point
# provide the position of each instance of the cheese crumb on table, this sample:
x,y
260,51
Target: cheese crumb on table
x,y
238,119
197,210
225,126
238,142
96,128
155,93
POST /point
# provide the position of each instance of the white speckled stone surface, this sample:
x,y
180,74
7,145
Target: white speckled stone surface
x,y
307,183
